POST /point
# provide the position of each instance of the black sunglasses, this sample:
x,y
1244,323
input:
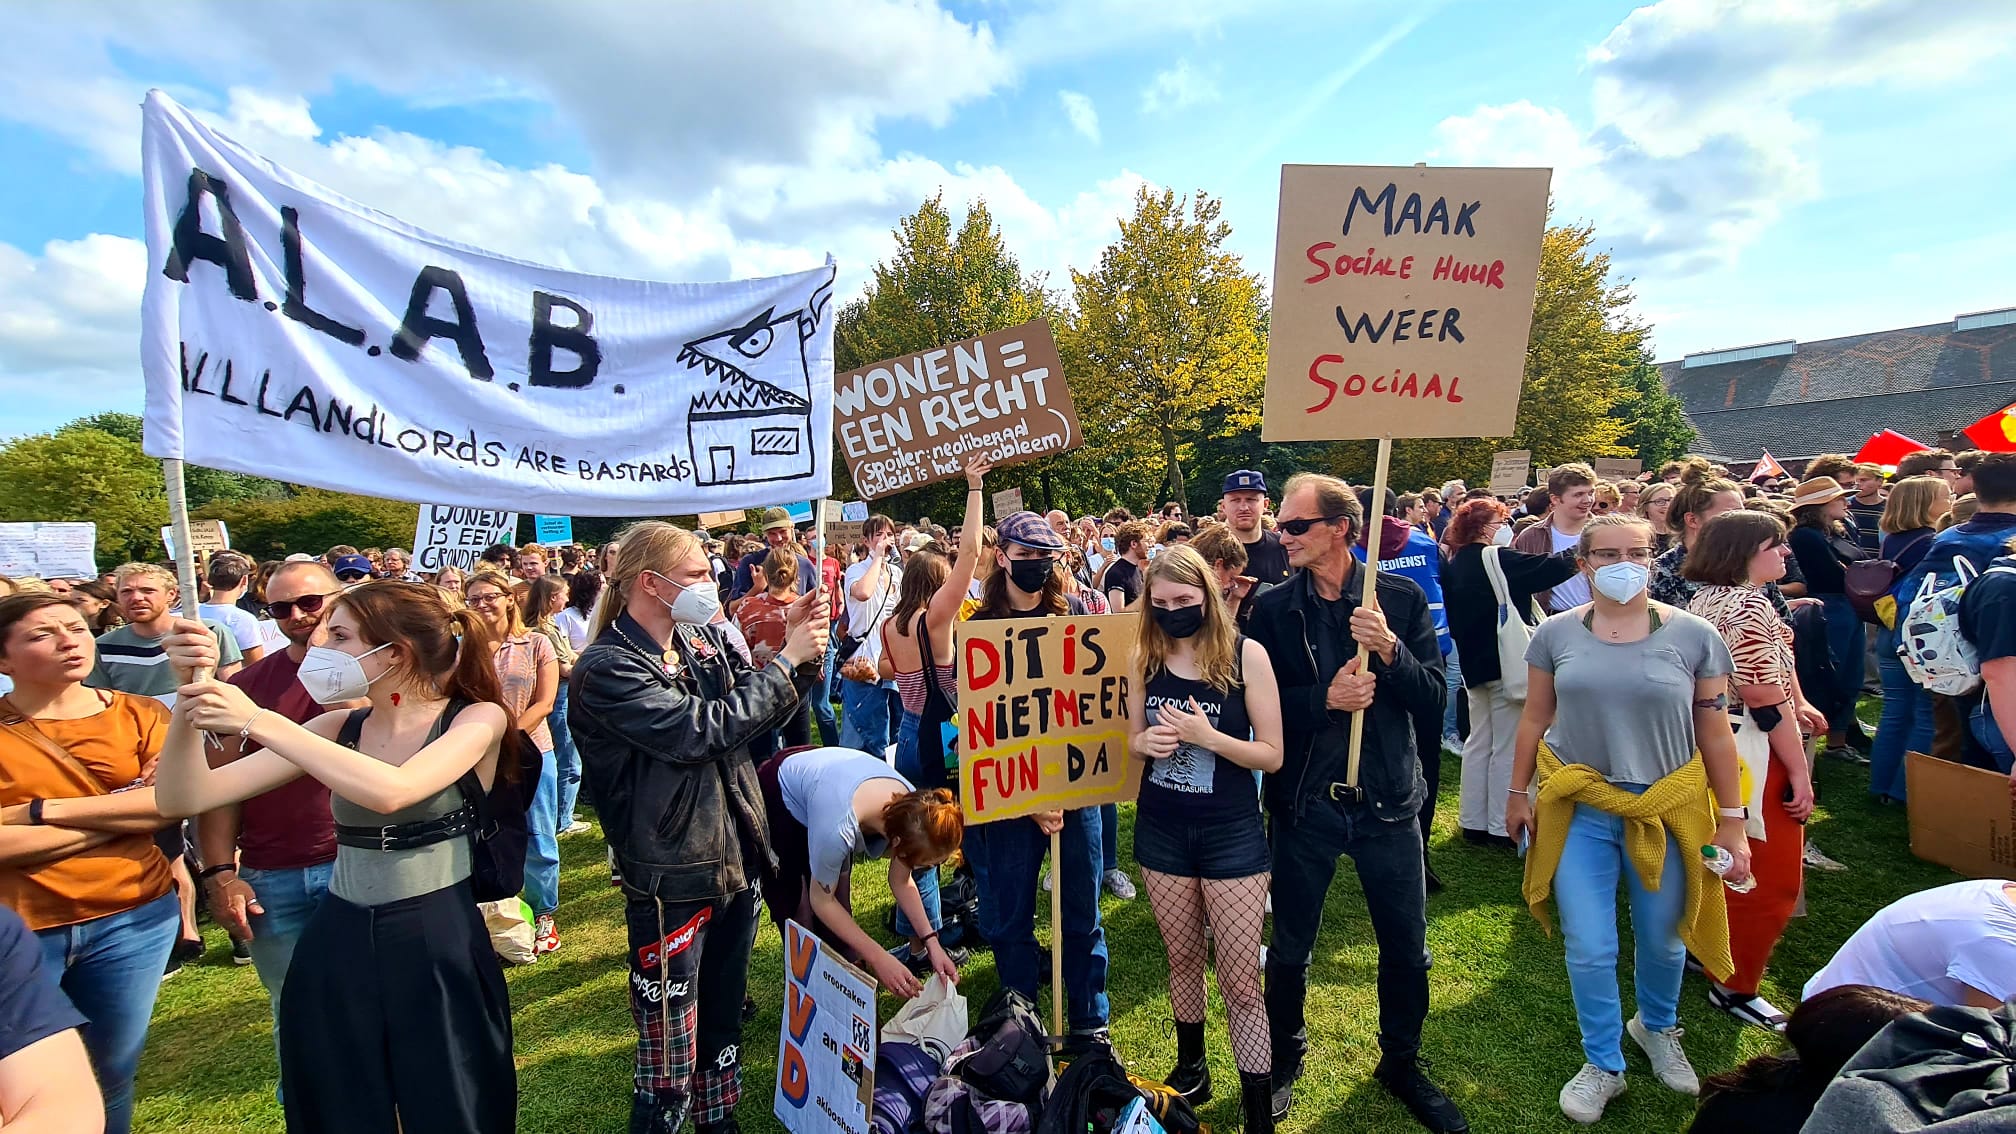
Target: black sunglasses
x,y
307,604
1301,527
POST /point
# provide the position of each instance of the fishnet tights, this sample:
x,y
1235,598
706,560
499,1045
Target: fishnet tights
x,y
1236,910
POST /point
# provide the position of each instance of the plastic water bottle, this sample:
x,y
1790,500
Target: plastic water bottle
x,y
1718,862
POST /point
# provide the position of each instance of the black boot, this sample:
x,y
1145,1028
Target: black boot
x,y
1192,1075
1256,1101
1432,1109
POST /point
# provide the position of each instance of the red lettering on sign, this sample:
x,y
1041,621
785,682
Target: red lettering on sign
x,y
979,650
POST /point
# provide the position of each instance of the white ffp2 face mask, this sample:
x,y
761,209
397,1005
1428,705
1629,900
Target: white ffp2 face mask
x,y
332,676
1621,582
697,605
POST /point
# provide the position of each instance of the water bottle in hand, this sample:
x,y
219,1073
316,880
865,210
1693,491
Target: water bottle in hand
x,y
1718,862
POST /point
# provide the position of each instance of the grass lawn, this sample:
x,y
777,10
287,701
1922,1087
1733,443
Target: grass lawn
x,y
1501,1035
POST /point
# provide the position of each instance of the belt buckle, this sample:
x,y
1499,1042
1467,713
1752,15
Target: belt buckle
x,y
385,838
1345,793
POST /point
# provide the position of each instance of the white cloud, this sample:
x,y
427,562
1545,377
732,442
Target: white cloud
x,y
1178,87
70,318
1084,117
1694,146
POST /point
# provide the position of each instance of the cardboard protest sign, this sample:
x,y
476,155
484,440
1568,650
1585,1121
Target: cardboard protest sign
x,y
206,538
49,549
841,535
281,318
1617,468
915,419
712,520
1403,297
448,536
1043,714
553,529
826,1047
1007,502
1509,470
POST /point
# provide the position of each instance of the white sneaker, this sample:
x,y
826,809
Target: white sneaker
x,y
1669,1062
1118,884
1592,1088
1815,859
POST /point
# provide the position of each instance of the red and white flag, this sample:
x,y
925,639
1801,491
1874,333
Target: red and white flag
x,y
1767,469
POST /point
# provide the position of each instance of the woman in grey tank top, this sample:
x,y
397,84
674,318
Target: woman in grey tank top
x,y
395,1015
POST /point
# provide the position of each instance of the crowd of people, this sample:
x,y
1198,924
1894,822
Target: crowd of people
x,y
1629,673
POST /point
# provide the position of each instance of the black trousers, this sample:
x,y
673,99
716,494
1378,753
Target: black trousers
x,y
395,1017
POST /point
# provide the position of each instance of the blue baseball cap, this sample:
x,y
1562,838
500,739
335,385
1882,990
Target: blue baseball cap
x,y
350,565
1245,480
1029,530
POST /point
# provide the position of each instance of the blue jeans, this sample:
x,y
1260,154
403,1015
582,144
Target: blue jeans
x,y
288,897
906,766
1986,733
864,716
1585,894
1453,666
542,848
566,759
822,698
1906,724
111,967
1007,857
1845,647
1109,837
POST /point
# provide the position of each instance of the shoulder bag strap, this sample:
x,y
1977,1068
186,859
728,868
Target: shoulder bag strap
x,y
23,726
353,727
1496,571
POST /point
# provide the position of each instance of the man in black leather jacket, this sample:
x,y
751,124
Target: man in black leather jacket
x,y
1312,626
663,709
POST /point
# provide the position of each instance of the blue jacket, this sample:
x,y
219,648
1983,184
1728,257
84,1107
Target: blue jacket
x,y
1982,540
1419,559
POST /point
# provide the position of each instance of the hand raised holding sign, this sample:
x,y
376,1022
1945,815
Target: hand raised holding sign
x,y
808,622
977,468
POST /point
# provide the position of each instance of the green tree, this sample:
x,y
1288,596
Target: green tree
x,y
1656,422
313,521
87,474
201,485
943,285
1168,345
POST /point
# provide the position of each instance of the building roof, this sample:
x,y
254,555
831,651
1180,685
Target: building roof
x,y
1829,396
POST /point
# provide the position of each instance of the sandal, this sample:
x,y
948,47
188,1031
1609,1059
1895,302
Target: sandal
x,y
1753,1010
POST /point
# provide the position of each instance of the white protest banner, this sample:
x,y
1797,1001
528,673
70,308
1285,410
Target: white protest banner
x,y
1007,502
1403,297
448,536
826,1048
1509,470
56,549
283,322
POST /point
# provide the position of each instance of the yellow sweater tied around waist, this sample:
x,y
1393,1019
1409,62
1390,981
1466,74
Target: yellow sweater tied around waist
x,y
1680,804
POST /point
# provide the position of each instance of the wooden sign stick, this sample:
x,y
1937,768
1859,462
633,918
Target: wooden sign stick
x,y
1375,525
1057,933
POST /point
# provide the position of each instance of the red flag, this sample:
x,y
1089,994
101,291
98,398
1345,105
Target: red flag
x,y
1767,468
1887,448
1996,432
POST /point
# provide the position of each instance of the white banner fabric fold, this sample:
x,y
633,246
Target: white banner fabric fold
x,y
292,333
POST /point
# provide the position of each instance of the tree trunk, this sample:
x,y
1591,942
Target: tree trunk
x,y
1049,493
1175,469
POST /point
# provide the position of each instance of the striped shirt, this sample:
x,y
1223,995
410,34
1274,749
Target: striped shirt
x,y
131,662
1759,641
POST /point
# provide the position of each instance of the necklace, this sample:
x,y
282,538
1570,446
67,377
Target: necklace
x,y
668,658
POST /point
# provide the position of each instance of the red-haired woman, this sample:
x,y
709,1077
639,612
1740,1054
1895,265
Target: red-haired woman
x,y
830,807
396,1016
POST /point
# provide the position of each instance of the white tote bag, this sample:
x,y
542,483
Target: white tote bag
x,y
1513,633
1753,760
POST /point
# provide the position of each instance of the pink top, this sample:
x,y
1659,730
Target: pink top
x,y
518,662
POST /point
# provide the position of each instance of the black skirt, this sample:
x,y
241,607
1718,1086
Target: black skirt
x,y
396,1016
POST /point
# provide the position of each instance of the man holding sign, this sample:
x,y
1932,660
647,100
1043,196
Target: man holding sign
x,y
1312,628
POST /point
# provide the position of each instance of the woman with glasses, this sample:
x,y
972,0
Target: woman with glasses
x,y
1910,519
1626,730
1824,546
1653,504
1736,555
529,672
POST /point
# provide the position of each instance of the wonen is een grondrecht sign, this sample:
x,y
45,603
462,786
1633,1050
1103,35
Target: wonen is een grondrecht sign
x,y
287,330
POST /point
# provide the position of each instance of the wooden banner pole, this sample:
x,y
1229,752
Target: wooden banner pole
x,y
185,552
1057,932
1375,523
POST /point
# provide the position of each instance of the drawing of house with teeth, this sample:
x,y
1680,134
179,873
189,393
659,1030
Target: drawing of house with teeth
x,y
756,424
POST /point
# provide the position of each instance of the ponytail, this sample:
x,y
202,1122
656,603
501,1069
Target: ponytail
x,y
474,677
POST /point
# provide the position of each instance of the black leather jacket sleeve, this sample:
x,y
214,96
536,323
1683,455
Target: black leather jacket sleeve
x,y
666,721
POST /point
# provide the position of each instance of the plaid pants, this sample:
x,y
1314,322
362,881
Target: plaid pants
x,y
689,970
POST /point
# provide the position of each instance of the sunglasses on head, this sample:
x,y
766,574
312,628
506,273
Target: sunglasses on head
x,y
306,604
1301,527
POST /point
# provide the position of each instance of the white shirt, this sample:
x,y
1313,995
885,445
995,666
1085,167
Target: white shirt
x,y
866,616
575,624
1574,592
1930,944
244,628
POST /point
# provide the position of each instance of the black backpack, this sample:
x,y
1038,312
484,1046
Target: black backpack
x,y
1095,1087
1012,1063
497,833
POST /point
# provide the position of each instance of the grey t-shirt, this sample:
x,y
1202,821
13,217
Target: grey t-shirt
x,y
1626,709
818,789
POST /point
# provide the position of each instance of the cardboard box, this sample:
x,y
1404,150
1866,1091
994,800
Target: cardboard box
x,y
1961,817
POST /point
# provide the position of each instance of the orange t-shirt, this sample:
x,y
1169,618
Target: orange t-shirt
x,y
112,877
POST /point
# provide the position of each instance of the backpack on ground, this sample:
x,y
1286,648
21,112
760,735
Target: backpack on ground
x,y
997,1078
1095,1090
1928,634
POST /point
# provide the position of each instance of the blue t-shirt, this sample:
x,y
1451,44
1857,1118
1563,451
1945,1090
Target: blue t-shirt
x,y
32,1004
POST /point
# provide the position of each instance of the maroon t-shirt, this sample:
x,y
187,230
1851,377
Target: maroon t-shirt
x,y
291,826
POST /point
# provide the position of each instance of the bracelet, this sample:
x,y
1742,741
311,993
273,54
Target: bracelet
x,y
1527,792
35,812
208,872
931,936
246,732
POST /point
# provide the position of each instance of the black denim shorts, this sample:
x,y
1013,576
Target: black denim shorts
x,y
1215,849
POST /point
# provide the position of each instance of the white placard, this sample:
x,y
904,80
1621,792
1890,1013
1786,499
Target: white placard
x,y
285,327
447,536
826,1048
270,636
49,549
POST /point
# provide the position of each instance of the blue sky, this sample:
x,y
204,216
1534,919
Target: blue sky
x,y
1790,169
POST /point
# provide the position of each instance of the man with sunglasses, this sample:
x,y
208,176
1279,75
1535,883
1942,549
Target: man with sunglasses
x,y
272,855
1312,626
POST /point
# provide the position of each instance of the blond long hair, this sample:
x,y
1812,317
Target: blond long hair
x,y
1215,645
647,545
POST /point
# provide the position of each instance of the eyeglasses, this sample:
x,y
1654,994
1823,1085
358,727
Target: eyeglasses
x,y
306,604
1602,506
1301,527
1613,555
485,598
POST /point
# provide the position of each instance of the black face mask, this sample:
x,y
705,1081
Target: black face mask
x,y
1181,622
1029,575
